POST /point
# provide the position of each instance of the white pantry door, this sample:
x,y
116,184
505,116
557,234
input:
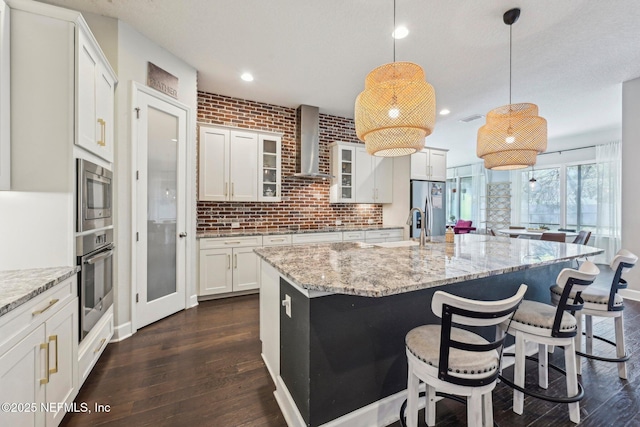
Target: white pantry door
x,y
160,131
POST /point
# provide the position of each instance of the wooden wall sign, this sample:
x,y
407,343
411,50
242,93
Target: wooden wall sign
x,y
161,80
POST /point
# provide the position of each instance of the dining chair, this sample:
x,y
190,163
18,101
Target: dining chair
x,y
554,237
582,238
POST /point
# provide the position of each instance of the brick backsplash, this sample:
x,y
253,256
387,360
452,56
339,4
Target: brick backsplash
x,y
305,202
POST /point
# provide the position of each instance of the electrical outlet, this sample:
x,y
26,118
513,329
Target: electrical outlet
x,y
286,303
235,225
370,221
338,222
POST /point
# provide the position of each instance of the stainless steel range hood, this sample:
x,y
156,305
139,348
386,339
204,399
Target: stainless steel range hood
x,y
308,143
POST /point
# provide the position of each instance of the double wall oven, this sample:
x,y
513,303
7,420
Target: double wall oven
x,y
94,242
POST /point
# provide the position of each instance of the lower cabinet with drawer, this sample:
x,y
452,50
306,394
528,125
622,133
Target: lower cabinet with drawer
x,y
93,345
378,236
228,265
38,357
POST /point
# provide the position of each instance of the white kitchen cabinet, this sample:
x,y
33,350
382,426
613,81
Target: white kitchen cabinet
x,y
343,169
429,164
353,236
95,103
359,177
5,99
228,265
374,178
269,168
38,356
239,165
93,345
62,80
378,236
322,237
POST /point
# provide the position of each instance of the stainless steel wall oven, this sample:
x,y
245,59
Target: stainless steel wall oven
x,y
94,196
95,258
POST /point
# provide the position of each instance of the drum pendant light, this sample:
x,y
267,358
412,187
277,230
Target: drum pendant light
x,y
396,111
514,134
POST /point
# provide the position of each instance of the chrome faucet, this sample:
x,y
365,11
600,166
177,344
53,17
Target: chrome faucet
x,y
423,222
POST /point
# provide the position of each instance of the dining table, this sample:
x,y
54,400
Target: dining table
x,y
533,233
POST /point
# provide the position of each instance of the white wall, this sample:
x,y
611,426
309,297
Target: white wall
x,y
44,217
631,175
396,213
129,59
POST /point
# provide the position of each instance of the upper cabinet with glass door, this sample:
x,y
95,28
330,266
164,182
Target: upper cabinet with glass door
x,y
343,169
269,168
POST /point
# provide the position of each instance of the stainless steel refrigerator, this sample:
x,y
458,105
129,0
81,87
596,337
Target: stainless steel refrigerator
x,y
430,196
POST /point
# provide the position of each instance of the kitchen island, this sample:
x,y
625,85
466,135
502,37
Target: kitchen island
x,y
333,317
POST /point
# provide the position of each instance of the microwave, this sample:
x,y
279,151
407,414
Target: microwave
x,y
94,196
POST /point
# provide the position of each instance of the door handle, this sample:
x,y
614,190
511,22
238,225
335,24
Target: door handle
x,y
45,347
54,338
183,234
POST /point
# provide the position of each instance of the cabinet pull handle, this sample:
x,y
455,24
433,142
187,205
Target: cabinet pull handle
x,y
103,124
232,190
235,261
232,243
45,347
278,240
54,338
228,262
102,341
51,304
226,189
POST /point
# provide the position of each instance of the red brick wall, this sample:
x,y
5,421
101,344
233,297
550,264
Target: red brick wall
x,y
305,202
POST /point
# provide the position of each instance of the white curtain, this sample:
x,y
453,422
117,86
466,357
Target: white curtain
x,y
478,191
608,227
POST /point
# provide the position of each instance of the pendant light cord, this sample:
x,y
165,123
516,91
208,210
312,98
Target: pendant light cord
x,y
510,37
394,31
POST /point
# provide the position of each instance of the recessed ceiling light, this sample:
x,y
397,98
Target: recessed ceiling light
x,y
444,112
247,77
400,32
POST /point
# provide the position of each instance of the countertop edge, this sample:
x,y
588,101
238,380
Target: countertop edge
x,y
41,288
215,235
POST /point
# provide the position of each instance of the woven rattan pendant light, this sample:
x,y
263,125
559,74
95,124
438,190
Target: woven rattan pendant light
x,y
514,134
396,110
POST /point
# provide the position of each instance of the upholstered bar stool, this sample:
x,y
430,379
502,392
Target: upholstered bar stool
x,y
603,303
455,361
550,326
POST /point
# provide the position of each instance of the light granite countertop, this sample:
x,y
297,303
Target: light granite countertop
x,y
372,271
283,230
19,286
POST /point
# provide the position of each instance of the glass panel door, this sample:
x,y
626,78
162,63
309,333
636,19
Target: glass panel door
x,y
346,169
162,170
269,168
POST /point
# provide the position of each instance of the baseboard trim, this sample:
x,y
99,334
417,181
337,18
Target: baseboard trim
x,y
122,332
630,294
193,301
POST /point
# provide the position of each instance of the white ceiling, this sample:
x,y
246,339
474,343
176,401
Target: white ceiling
x,y
569,56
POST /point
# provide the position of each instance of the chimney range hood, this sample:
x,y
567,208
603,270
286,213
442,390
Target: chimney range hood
x,y
308,143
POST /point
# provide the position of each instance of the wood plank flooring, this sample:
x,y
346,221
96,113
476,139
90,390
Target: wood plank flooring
x,y
202,367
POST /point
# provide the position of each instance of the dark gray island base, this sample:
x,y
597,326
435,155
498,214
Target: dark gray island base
x,y
342,357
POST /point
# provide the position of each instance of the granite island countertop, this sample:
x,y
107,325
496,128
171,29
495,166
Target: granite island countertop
x,y
286,230
368,270
19,286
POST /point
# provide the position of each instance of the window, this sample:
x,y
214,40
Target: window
x,y
582,190
452,200
540,205
466,197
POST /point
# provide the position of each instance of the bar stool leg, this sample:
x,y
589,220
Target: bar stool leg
x,y
620,351
488,409
430,407
518,374
578,343
474,410
588,323
572,380
413,382
543,370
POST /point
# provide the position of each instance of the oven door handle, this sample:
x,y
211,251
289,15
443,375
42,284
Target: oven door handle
x,y
98,257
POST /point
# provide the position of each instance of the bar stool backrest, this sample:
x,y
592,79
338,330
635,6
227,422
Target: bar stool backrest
x,y
571,280
621,263
462,311
554,237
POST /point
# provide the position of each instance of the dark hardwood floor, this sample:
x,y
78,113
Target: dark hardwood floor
x,y
202,367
